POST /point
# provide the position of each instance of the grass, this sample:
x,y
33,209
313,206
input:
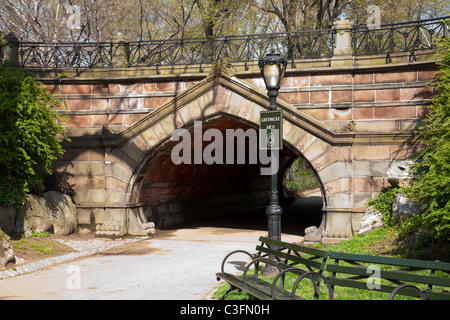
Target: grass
x,y
381,242
38,246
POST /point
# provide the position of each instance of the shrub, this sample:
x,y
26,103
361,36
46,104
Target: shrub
x,y
432,184
383,203
29,126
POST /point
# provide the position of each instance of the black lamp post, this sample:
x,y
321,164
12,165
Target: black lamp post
x,y
272,69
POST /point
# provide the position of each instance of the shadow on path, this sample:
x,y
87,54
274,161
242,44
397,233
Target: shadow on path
x,y
305,212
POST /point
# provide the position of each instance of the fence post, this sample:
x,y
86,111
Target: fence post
x,y
11,49
342,52
119,55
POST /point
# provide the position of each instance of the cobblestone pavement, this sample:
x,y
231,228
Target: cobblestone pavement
x,y
83,247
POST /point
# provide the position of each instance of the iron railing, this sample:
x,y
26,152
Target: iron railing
x,y
64,55
237,49
399,37
387,39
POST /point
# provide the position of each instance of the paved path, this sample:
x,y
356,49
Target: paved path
x,y
175,265
178,265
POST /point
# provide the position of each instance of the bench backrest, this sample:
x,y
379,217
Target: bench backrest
x,y
399,271
291,254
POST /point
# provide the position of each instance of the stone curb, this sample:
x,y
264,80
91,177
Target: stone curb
x,y
45,263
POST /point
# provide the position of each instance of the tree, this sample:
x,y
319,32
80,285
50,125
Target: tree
x,y
432,183
30,127
295,15
100,20
358,11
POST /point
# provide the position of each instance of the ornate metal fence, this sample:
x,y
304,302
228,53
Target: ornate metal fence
x,y
64,55
240,49
387,39
400,37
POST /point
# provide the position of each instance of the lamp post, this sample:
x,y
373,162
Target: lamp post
x,y
272,69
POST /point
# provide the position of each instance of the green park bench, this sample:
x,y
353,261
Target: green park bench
x,y
282,257
407,277
423,279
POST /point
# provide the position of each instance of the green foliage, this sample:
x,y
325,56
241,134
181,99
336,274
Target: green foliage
x,y
383,202
302,177
29,126
432,183
43,234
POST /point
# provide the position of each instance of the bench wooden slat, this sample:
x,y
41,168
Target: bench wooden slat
x,y
387,289
290,257
435,265
253,283
295,247
363,285
255,287
437,295
390,275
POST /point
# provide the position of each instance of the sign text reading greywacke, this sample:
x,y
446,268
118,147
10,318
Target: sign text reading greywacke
x,y
270,130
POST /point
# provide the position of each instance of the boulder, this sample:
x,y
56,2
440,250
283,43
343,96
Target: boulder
x,y
399,173
403,207
372,220
7,218
6,250
62,211
37,216
313,234
54,212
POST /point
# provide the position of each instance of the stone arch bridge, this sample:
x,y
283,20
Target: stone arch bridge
x,y
349,115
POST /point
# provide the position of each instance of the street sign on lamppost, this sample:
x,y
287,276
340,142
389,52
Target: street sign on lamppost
x,y
272,69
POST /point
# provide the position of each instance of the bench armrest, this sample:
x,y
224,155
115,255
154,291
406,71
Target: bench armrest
x,y
311,275
407,286
252,256
257,260
282,273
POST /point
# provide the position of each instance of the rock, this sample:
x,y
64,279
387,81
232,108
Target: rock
x,y
399,173
54,211
6,250
7,219
403,207
371,221
63,212
313,234
37,216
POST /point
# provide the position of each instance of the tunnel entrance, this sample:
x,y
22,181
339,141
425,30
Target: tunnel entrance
x,y
221,194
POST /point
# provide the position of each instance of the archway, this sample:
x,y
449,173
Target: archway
x,y
217,103
172,194
305,204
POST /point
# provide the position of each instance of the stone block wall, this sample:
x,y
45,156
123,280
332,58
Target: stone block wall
x,y
375,101
90,106
350,123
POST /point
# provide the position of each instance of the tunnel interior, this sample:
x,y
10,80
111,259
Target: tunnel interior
x,y
229,193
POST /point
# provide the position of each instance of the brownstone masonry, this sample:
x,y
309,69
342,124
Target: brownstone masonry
x,y
350,120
